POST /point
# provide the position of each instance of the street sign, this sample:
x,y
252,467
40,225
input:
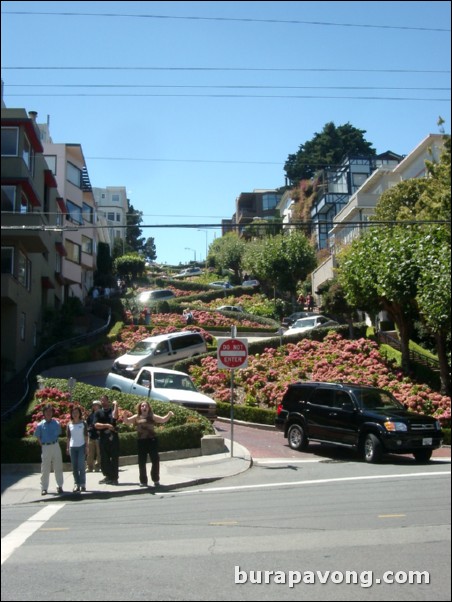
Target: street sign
x,y
232,353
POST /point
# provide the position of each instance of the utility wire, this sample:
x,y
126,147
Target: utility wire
x,y
290,69
231,86
226,19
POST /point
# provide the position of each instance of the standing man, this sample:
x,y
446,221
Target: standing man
x,y
105,423
93,461
47,433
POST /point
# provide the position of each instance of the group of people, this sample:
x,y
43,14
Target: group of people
x,y
306,302
95,442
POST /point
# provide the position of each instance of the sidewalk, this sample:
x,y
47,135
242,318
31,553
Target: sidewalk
x,y
21,486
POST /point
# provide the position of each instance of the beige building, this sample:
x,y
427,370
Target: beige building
x,y
112,207
80,236
32,243
350,221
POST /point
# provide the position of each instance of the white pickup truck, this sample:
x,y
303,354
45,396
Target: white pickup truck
x,y
164,385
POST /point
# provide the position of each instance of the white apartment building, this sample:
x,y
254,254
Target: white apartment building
x,y
350,221
112,207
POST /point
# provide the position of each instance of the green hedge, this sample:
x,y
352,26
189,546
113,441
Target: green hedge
x,y
247,413
27,450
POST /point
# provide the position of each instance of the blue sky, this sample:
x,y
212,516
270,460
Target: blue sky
x,y
235,87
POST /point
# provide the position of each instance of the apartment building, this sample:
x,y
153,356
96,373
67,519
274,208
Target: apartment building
x,y
259,204
112,207
68,166
31,240
350,221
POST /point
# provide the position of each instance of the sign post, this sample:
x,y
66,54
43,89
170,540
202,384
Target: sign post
x,y
232,354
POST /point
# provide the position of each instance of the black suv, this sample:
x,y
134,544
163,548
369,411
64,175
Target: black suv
x,y
367,419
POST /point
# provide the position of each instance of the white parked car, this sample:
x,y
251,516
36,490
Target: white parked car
x,y
220,284
235,308
250,283
189,272
154,296
304,324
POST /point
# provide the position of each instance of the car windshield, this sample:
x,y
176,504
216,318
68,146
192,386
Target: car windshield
x,y
162,380
142,348
304,322
376,400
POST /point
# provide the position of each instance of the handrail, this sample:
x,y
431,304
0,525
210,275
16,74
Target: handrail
x,y
414,355
60,344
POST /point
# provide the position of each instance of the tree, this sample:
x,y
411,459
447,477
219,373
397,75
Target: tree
x,y
433,257
104,264
227,253
281,261
149,251
379,269
129,267
134,240
327,149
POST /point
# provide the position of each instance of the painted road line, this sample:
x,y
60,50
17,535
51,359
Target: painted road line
x,y
18,536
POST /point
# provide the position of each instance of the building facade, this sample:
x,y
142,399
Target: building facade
x,y
32,243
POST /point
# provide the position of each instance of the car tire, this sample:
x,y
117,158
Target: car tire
x,y
372,449
423,455
296,436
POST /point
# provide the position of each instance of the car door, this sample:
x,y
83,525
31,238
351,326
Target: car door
x,y
318,411
143,384
342,423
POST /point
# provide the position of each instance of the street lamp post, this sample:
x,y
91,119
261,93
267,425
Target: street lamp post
x,y
188,249
205,232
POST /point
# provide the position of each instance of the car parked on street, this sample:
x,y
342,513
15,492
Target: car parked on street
x,y
220,284
154,296
289,320
189,272
252,283
235,308
305,324
364,418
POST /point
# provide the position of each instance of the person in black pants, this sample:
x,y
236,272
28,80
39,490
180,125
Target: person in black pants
x,y
144,421
105,423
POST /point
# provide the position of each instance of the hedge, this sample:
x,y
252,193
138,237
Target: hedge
x,y
27,449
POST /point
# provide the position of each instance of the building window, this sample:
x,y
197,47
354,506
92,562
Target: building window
x,y
88,213
51,162
24,270
115,198
73,251
87,245
74,212
28,154
7,260
111,217
10,142
269,201
74,175
22,326
8,198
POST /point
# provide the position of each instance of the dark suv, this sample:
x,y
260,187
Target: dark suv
x,y
367,419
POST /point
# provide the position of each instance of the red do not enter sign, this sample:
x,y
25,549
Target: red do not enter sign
x,y
232,353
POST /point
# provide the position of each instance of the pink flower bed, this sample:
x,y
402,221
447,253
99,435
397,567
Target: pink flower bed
x,y
335,359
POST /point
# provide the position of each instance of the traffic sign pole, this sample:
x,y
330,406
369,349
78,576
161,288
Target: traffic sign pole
x,y
232,354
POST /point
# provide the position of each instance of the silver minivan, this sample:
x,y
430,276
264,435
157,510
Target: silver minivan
x,y
162,350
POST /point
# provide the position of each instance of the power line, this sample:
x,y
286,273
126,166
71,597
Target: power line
x,y
225,19
229,86
285,96
289,69
229,19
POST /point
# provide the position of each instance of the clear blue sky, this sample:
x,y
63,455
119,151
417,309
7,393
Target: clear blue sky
x,y
274,74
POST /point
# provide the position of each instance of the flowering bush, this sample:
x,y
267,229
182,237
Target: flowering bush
x,y
264,381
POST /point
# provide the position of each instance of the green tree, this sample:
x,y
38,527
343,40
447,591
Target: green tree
x,y
134,240
433,257
326,149
281,261
227,253
379,270
149,250
129,267
104,265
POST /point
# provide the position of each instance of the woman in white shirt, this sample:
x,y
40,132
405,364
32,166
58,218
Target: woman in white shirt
x,y
77,445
